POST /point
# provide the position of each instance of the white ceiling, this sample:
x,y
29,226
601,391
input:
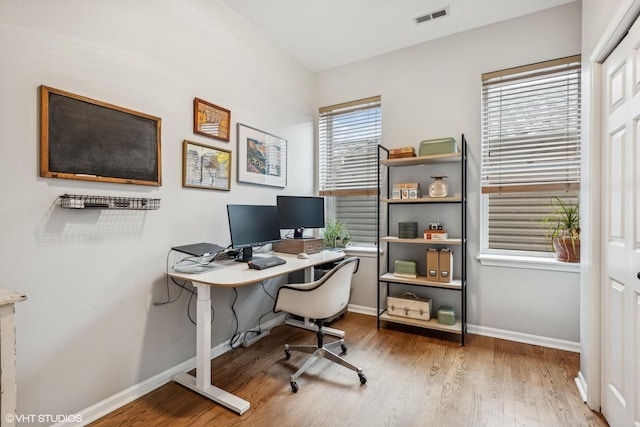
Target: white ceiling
x,y
323,34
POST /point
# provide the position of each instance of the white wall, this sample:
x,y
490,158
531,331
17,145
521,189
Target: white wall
x,y
433,90
89,328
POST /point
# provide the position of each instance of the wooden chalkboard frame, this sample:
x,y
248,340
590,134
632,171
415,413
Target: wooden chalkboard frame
x,y
85,139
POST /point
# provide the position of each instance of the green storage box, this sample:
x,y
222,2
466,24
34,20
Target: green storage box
x,y
432,147
446,315
405,268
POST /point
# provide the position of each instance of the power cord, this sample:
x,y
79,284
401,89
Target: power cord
x,y
182,287
236,335
259,331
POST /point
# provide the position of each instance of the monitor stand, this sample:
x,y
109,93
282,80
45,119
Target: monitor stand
x,y
298,233
247,255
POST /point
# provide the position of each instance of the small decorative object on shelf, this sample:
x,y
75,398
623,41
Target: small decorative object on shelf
x,y
73,201
431,234
438,188
407,230
397,153
436,225
446,315
406,190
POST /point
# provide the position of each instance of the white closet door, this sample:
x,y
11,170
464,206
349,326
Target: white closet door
x,y
621,234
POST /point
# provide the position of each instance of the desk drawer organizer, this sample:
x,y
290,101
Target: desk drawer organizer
x,y
409,305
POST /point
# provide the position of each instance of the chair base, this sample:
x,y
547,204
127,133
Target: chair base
x,y
322,352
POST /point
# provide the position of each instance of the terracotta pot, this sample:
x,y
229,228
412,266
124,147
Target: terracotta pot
x,y
567,249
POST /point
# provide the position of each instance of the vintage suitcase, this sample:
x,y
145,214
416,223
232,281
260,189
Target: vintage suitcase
x,y
432,147
405,268
409,305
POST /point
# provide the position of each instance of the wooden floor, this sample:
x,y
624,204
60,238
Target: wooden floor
x,y
413,380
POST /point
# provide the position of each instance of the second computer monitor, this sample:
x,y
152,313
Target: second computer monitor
x,y
300,212
252,226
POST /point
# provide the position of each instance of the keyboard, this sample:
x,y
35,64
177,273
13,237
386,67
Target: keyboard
x,y
267,262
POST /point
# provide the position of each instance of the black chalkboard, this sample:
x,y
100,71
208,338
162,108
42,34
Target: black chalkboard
x,y
91,140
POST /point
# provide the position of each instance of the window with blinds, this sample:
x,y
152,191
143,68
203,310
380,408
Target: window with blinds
x,y
349,135
530,149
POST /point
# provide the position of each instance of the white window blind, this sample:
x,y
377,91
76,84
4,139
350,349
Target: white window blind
x,y
349,135
516,219
530,150
531,127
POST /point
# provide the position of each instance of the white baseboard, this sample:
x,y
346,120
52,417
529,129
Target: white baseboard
x,y
581,383
136,391
525,338
361,309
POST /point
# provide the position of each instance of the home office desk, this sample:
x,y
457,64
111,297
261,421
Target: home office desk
x,y
231,276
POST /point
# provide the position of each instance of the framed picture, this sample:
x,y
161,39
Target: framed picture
x,y
205,167
262,157
211,120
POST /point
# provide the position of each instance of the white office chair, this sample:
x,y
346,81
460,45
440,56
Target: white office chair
x,y
319,300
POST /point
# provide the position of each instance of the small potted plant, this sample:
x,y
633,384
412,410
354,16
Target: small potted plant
x,y
336,235
563,230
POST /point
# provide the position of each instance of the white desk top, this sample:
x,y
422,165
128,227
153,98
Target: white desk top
x,y
239,274
8,296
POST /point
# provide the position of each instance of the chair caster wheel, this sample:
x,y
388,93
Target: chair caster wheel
x,y
287,354
363,379
294,386
344,348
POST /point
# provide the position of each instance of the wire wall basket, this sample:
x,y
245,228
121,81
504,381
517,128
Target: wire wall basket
x,y
72,201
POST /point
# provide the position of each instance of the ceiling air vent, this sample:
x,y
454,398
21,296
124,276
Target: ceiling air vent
x,y
432,15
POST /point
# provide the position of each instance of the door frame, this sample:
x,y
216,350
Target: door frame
x,y
589,381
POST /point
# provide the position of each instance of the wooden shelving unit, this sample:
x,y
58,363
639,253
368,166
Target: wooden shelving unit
x,y
387,280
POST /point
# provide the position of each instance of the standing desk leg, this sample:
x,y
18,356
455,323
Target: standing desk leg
x,y
306,324
201,383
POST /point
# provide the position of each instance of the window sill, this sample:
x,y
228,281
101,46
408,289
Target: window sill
x,y
527,262
362,251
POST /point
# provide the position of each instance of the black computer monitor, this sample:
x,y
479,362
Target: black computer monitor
x,y
300,212
251,226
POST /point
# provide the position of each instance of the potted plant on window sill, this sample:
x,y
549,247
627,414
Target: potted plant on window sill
x,y
563,230
336,235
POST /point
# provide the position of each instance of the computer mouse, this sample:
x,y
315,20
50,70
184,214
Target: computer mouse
x,y
302,255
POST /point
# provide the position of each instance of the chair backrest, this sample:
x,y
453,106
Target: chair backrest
x,y
322,298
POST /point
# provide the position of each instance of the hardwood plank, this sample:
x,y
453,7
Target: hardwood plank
x,y
412,379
